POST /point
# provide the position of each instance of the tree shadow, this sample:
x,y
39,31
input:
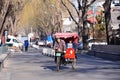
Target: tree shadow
x,y
92,69
91,60
53,68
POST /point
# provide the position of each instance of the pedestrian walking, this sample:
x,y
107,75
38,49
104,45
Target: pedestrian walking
x,y
26,44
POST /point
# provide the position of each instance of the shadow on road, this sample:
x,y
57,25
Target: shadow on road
x,y
93,69
53,68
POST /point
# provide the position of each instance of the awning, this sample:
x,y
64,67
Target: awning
x,y
65,35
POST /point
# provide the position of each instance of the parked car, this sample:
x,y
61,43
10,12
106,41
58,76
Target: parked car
x,y
49,44
41,43
95,42
11,40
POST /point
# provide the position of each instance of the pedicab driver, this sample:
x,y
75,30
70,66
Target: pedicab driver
x,y
59,46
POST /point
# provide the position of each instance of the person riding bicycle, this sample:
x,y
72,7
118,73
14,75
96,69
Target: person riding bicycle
x,y
60,46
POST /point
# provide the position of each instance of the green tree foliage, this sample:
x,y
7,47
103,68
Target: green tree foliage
x,y
101,21
100,30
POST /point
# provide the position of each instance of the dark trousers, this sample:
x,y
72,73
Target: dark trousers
x,y
62,59
26,48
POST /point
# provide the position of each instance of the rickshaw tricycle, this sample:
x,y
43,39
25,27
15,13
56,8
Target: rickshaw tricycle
x,y
68,56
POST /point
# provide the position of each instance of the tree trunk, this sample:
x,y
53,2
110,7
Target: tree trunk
x,y
4,15
85,27
85,35
107,8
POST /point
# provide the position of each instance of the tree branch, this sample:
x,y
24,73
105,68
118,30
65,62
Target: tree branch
x,y
91,3
74,7
69,12
79,5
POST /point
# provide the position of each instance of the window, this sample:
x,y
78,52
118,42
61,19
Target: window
x,y
14,40
8,40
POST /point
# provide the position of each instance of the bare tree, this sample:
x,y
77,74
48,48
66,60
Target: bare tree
x,y
48,18
3,14
81,12
9,9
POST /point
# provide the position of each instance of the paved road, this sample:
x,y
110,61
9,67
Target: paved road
x,y
35,66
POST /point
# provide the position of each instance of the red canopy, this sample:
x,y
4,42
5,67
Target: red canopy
x,y
65,35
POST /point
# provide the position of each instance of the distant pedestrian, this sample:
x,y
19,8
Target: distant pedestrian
x,y
26,44
36,42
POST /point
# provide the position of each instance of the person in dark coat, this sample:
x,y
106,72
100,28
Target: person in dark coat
x,y
26,44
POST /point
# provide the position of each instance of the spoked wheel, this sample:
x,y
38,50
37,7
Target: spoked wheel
x,y
58,64
73,63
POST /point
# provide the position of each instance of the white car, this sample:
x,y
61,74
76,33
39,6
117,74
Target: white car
x,y
49,44
41,43
95,42
14,42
